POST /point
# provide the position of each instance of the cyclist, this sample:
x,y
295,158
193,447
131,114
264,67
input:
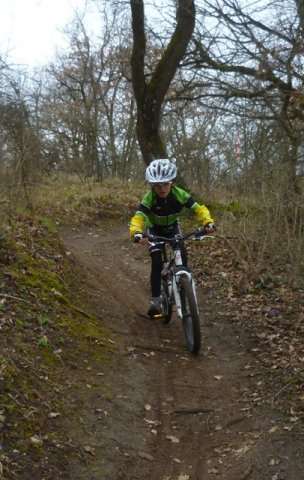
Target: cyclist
x,y
158,213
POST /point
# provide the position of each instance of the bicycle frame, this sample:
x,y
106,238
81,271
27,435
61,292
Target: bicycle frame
x,y
175,269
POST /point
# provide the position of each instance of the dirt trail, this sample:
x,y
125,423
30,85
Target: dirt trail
x,y
160,413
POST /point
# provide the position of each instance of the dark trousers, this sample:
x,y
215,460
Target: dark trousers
x,y
157,257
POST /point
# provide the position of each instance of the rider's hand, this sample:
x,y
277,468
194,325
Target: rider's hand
x,y
139,238
209,228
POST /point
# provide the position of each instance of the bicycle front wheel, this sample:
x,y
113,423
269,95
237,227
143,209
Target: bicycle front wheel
x,y
190,319
167,305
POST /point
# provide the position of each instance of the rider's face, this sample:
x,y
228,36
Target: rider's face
x,y
162,189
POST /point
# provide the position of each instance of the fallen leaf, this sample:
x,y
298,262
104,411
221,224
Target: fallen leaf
x,y
172,439
213,470
36,440
273,429
152,422
145,456
89,449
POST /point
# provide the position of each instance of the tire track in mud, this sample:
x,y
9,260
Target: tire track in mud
x,y
171,415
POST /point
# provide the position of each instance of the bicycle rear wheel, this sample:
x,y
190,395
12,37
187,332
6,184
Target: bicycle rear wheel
x,y
191,321
167,305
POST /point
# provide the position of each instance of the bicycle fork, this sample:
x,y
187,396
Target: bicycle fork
x,y
176,290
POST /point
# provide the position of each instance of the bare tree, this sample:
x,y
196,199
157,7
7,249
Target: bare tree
x,y
249,62
300,7
21,150
90,102
150,91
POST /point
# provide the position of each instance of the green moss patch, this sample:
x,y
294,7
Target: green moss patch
x,y
47,337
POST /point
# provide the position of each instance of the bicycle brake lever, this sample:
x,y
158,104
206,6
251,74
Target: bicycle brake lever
x,y
202,237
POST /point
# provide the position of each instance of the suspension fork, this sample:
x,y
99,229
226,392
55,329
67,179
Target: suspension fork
x,y
176,289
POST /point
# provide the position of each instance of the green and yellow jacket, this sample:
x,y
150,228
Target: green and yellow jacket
x,y
164,212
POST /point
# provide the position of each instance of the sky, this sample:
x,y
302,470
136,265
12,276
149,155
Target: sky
x,y
29,29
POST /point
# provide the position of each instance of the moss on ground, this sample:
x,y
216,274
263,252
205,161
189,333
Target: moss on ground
x,y
45,331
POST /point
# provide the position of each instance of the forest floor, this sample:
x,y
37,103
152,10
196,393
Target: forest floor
x,y
154,411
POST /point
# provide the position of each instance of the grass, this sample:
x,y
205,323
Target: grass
x,y
45,329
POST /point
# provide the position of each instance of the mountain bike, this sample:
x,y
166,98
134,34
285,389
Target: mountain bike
x,y
178,286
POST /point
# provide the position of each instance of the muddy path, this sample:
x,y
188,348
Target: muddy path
x,y
158,412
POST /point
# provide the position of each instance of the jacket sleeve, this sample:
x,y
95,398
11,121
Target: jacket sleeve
x,y
202,214
137,223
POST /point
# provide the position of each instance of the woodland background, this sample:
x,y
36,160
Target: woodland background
x,y
231,111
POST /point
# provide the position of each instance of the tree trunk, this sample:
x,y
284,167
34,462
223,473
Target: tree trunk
x,y
300,7
150,94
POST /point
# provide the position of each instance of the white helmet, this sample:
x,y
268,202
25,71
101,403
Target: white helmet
x,y
161,170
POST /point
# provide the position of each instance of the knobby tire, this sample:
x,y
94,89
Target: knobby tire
x,y
191,321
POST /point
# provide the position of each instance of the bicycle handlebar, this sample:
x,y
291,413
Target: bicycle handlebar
x,y
198,233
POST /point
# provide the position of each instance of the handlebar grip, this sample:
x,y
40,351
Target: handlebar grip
x,y
199,232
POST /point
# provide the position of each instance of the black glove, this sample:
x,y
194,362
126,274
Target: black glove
x,y
205,230
209,228
137,237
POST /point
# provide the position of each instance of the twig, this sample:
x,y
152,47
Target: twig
x,y
246,474
31,412
158,349
207,423
6,295
284,387
193,411
80,311
295,203
234,421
